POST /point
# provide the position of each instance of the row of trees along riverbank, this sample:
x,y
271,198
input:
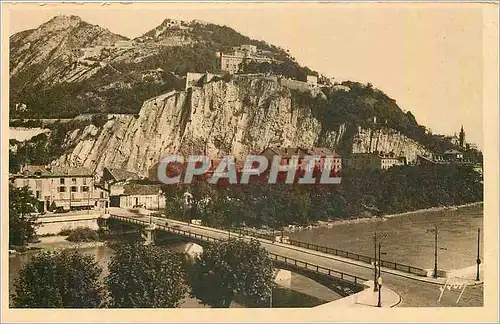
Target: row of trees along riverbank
x,y
360,194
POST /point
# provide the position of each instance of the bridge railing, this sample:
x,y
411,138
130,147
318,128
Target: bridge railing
x,y
316,268
340,253
276,257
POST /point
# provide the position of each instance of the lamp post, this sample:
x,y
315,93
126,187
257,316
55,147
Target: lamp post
x,y
230,224
478,260
435,231
271,297
379,281
375,286
435,252
274,219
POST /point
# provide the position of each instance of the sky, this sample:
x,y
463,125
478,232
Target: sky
x,y
429,58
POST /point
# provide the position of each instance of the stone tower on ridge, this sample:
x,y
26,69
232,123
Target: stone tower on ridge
x,y
461,137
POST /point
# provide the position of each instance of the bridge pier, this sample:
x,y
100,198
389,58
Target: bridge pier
x,y
103,223
148,234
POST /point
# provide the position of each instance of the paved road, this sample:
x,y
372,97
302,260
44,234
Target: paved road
x,y
413,291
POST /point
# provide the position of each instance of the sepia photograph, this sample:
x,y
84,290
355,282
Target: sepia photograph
x,y
255,161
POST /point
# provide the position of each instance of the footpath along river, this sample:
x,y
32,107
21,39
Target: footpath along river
x,y
407,240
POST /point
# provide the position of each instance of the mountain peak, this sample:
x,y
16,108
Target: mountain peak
x,y
63,21
66,18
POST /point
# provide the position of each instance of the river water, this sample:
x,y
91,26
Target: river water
x,y
407,240
299,291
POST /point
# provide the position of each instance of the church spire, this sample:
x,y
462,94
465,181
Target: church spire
x,y
461,137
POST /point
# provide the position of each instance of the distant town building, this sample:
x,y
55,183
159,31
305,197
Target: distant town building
x,y
135,195
339,87
230,62
381,161
62,189
287,153
324,153
453,155
110,175
252,49
452,139
173,23
450,157
472,146
312,79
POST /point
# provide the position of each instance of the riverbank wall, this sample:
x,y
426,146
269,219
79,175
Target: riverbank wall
x,y
54,224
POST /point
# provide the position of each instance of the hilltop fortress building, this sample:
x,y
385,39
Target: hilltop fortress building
x,y
230,62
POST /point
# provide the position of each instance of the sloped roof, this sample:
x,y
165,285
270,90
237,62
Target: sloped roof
x,y
53,171
141,189
452,152
322,151
285,152
121,175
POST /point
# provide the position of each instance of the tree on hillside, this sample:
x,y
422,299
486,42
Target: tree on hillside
x,y
232,268
22,222
66,279
146,276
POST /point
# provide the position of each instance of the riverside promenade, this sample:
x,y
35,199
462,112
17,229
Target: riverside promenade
x,y
413,290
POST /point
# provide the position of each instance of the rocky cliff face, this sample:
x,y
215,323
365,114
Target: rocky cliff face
x,y
386,140
220,118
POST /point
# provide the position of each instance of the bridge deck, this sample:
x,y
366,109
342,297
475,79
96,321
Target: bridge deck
x,y
414,290
342,283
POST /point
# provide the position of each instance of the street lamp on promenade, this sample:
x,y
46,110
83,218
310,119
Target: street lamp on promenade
x,y
271,297
375,275
379,280
375,286
435,231
478,260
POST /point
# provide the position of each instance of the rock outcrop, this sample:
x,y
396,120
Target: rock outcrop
x,y
220,118
386,140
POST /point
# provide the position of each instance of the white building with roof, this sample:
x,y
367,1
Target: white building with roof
x,y
62,188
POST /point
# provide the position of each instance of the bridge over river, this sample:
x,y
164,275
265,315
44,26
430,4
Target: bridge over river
x,y
414,290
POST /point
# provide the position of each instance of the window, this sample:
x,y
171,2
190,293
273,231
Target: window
x,y
38,194
73,181
74,189
62,189
38,184
26,183
61,181
84,181
85,188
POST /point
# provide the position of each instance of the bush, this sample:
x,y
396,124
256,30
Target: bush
x,y
146,276
65,231
229,269
66,279
82,234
